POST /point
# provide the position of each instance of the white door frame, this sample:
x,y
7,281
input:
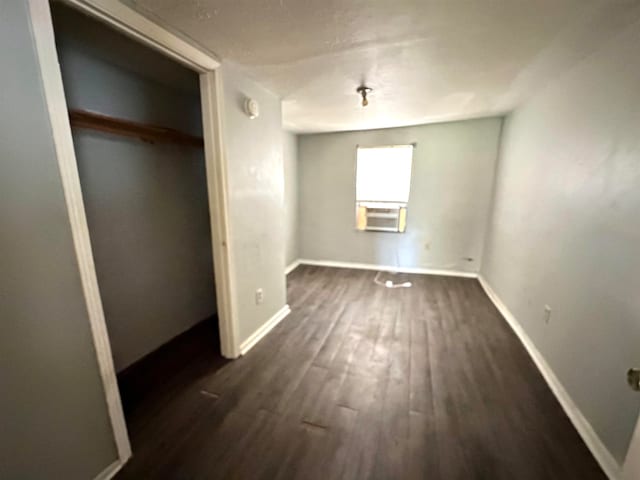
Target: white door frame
x,y
126,20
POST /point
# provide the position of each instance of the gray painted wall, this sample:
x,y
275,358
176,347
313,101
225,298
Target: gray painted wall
x,y
566,231
290,154
146,204
256,194
54,420
451,185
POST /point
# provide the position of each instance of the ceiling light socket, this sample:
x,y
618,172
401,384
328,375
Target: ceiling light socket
x,y
251,108
364,91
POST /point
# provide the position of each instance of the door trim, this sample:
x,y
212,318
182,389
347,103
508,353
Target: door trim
x,y
211,94
135,25
126,20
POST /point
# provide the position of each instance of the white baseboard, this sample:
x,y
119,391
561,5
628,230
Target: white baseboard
x,y
264,329
110,472
387,268
291,267
601,453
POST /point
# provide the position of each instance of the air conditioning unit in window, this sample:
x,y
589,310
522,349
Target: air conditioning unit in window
x,y
381,216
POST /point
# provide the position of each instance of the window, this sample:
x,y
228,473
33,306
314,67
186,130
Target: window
x,y
383,178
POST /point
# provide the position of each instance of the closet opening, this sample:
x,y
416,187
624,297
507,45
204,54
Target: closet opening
x,y
137,128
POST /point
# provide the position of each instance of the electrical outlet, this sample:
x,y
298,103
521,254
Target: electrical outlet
x,y
259,296
547,313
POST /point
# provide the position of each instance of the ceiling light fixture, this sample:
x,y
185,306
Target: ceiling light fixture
x,y
363,91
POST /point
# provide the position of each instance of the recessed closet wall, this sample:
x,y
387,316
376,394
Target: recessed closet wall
x,y
146,203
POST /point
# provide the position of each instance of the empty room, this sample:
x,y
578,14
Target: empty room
x,y
320,240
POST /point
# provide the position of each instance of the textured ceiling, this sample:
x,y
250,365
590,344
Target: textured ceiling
x,y
426,60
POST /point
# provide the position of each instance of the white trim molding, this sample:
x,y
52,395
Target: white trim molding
x,y
598,449
123,18
263,330
211,93
42,28
291,267
111,471
387,268
126,20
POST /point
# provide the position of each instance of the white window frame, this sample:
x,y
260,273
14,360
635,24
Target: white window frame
x,y
392,214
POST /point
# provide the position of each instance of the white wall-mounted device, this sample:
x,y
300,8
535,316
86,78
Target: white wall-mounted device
x,y
251,108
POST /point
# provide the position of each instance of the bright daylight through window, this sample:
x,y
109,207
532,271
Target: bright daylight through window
x,y
383,179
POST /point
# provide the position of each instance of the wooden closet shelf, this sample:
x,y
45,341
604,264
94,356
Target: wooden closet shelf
x,y
127,128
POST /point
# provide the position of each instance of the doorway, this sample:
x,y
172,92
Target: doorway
x,y
124,20
137,133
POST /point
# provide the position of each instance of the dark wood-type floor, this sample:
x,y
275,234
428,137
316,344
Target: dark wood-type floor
x,y
359,382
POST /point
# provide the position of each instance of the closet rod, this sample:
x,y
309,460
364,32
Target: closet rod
x,y
127,128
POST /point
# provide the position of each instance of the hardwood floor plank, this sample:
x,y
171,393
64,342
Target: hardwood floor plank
x,y
358,382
